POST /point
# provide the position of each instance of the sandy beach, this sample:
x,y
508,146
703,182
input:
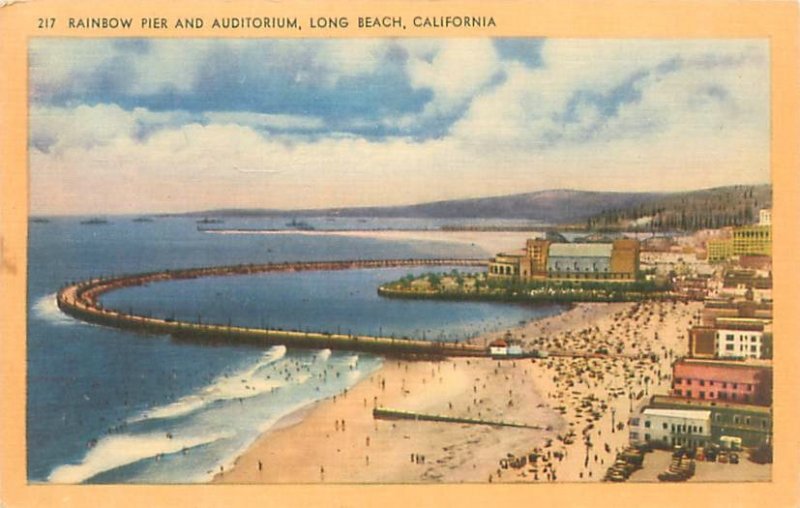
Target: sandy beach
x,y
573,400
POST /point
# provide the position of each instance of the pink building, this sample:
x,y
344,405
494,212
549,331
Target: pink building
x,y
743,382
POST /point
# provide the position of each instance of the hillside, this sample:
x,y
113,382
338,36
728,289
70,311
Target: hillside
x,y
709,208
595,210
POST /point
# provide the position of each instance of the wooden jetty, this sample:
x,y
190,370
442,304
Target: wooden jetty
x,y
394,414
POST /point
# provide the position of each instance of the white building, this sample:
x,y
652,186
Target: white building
x,y
739,340
765,217
671,427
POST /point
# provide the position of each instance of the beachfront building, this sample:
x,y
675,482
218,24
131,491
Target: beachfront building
x,y
752,240
671,427
737,381
739,338
719,249
751,423
501,348
592,261
730,308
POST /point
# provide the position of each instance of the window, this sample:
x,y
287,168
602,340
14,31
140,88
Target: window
x,y
647,424
647,437
752,349
724,385
678,380
702,395
747,420
733,396
728,347
736,419
711,383
689,382
735,386
729,336
702,382
688,393
700,429
634,435
664,425
672,428
635,422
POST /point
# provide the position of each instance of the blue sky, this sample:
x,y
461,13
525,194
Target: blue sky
x,y
171,125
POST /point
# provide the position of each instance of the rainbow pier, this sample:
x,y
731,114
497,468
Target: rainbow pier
x,y
81,301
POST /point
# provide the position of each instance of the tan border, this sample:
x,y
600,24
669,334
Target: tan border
x,y
777,21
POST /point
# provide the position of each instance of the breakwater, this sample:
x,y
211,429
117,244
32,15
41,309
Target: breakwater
x,y
81,300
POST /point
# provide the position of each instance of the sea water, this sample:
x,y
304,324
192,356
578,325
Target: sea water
x,y
112,406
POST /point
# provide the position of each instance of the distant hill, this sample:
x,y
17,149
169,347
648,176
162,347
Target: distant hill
x,y
709,208
597,210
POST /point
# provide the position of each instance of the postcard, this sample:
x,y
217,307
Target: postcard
x,y
333,254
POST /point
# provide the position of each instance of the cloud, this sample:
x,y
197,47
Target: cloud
x,y
300,123
599,91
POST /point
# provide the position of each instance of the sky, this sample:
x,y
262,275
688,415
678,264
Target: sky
x,y
124,126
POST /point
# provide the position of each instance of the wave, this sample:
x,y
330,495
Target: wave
x,y
323,355
240,385
113,452
46,309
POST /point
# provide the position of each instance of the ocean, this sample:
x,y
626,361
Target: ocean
x,y
111,406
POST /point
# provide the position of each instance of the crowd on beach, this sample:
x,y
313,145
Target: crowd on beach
x,y
576,405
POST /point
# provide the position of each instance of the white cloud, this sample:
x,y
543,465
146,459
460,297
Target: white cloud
x,y
699,118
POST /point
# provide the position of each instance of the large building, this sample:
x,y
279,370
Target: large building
x,y
728,308
749,383
751,423
543,259
719,249
752,240
739,338
667,427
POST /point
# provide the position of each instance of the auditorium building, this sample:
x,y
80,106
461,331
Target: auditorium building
x,y
543,259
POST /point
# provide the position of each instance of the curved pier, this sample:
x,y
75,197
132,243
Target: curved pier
x,y
81,300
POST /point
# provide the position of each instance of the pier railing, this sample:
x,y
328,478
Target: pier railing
x,y
81,300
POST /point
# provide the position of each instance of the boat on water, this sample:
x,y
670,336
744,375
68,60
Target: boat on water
x,y
94,222
206,220
300,225
39,220
142,219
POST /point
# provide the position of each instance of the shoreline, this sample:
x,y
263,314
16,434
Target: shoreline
x,y
568,396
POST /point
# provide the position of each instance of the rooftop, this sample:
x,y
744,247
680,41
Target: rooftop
x,y
665,401
580,250
678,413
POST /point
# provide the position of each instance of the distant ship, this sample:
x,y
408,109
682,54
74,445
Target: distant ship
x,y
94,222
39,220
206,220
300,225
142,219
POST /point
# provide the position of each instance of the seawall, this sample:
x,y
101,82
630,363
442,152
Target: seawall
x,y
81,300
